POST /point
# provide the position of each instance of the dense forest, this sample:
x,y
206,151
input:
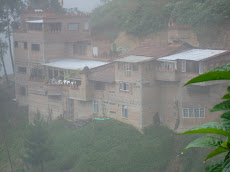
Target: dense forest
x,y
141,17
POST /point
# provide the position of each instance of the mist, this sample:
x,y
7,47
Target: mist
x,y
83,5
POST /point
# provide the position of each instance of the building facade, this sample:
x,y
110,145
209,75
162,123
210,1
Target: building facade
x,y
63,72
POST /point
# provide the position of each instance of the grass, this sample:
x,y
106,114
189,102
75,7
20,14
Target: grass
x,y
101,146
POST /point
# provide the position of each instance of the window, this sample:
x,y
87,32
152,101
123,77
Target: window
x,y
79,49
183,66
169,66
201,68
124,112
86,25
15,44
121,66
124,86
95,106
22,91
73,26
95,51
25,46
50,72
53,27
35,47
128,70
135,67
35,26
22,69
193,112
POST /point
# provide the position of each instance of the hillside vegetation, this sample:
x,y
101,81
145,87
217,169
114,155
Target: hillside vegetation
x,y
101,146
141,17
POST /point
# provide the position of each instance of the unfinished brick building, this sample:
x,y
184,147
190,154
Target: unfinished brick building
x,y
62,72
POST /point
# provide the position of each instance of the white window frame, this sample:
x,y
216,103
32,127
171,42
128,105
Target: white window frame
x,y
73,26
201,67
124,86
128,70
95,106
124,111
192,112
183,66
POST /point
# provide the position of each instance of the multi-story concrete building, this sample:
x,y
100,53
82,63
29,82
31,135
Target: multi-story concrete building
x,y
62,72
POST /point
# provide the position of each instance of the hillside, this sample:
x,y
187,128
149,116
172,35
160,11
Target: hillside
x,y
100,146
209,19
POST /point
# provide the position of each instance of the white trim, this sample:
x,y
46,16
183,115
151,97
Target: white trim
x,y
192,115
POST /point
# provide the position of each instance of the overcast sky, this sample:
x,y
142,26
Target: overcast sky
x,y
83,5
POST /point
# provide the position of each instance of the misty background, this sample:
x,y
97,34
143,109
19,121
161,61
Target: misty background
x,y
82,5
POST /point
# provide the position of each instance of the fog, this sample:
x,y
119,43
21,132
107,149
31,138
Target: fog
x,y
83,5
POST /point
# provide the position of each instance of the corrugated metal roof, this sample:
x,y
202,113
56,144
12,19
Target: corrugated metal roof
x,y
194,54
34,21
134,59
74,64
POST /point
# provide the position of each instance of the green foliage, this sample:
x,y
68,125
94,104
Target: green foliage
x,y
44,4
141,17
38,145
222,128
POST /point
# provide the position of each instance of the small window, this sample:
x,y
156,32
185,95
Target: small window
x,y
79,49
135,67
15,44
73,26
95,106
193,112
124,111
124,86
22,69
121,66
25,45
50,72
22,91
86,25
128,70
201,68
183,66
35,47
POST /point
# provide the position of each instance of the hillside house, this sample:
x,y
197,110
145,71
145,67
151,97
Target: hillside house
x,y
64,73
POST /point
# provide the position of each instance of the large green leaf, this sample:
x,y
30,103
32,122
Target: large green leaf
x,y
211,127
221,107
215,166
226,96
210,76
205,141
225,120
216,151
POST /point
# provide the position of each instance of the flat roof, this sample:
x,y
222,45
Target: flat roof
x,y
34,21
194,54
74,64
134,59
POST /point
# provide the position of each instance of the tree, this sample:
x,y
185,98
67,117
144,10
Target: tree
x,y
221,128
38,145
9,16
47,4
3,48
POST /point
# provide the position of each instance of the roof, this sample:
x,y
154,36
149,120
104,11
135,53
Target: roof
x,y
194,54
34,21
150,48
103,74
134,59
74,64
